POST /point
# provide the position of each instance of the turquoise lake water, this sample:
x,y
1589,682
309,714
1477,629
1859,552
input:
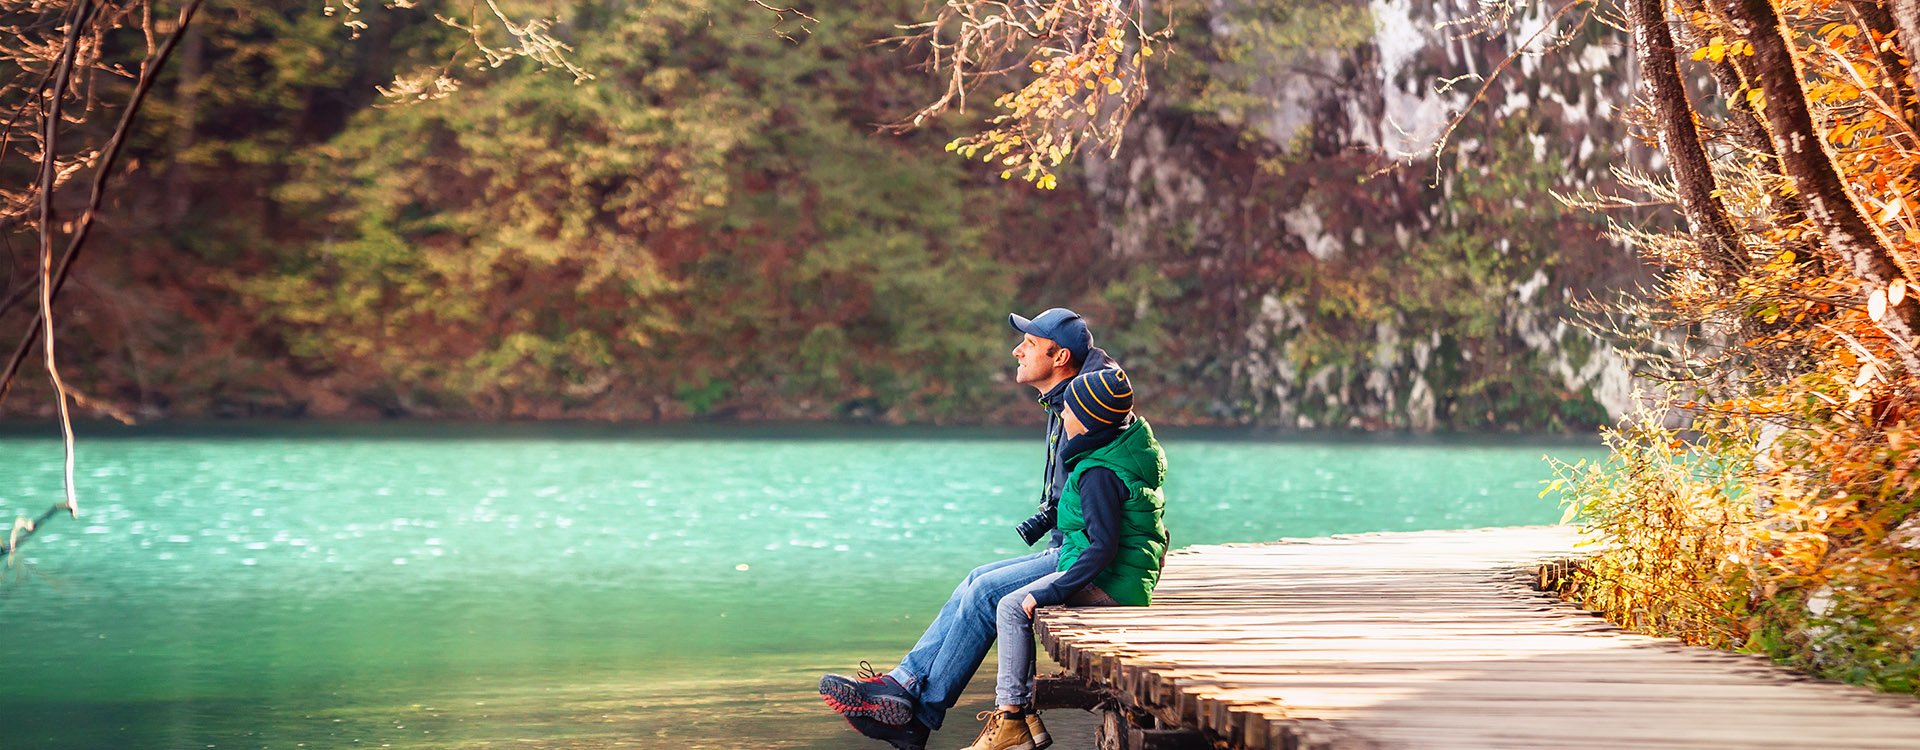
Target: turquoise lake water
x,y
599,588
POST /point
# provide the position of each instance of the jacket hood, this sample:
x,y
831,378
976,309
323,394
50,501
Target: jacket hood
x,y
1137,452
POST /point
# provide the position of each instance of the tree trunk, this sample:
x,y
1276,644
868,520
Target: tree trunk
x,y
1747,124
1872,16
1804,158
1750,128
1680,140
1906,19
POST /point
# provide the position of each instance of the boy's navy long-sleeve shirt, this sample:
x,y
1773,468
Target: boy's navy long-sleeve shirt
x,y
1102,498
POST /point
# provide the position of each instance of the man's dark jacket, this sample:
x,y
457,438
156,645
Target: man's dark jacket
x,y
1054,401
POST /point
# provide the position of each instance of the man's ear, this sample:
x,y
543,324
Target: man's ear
x,y
1062,357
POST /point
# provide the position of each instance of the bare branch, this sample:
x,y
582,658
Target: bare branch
x,y
807,22
76,242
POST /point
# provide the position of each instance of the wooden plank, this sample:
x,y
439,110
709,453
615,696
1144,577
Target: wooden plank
x,y
1435,639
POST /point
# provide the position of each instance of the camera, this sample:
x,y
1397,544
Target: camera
x,y
1037,526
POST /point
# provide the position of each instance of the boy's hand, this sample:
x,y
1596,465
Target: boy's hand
x,y
1028,604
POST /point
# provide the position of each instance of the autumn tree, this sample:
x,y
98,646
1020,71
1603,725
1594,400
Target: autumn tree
x,y
1786,523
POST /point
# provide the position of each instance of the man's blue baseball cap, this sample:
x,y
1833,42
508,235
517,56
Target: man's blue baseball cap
x,y
1059,325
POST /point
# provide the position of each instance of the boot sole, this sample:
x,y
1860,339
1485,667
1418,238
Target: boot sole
x,y
844,696
898,743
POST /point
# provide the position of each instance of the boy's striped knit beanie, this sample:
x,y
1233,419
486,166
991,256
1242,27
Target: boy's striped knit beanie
x,y
1101,398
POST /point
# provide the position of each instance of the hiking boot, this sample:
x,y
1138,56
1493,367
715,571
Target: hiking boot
x,y
910,736
878,698
1002,732
1041,740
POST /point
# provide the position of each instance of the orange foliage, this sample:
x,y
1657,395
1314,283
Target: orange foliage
x,y
1805,410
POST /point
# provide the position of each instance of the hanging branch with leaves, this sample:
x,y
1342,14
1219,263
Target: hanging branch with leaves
x,y
1087,62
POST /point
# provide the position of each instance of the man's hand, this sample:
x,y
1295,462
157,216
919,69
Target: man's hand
x,y
1029,604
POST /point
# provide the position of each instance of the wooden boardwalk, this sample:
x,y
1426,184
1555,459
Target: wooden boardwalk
x,y
1436,640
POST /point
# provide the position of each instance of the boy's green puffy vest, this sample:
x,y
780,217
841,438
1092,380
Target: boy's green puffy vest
x,y
1136,457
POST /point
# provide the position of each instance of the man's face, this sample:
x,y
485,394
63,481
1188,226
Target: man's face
x,y
1036,357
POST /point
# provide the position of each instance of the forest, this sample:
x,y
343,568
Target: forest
x,y
718,226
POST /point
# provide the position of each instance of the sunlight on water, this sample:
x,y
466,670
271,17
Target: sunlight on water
x,y
286,591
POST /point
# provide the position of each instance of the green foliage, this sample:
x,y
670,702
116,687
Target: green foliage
x,y
684,220
1260,37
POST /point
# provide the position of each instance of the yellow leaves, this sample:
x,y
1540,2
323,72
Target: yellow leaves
x,y
1846,357
1834,31
1780,264
1846,134
1718,48
1833,92
1086,76
1757,99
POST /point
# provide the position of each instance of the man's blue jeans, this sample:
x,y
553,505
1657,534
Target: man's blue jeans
x,y
941,664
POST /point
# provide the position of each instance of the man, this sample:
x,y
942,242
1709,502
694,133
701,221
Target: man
x,y
1116,542
904,706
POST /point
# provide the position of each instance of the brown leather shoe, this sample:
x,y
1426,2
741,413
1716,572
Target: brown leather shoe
x,y
1002,733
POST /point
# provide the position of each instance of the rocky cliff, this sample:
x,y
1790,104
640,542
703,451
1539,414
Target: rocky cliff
x,y
1313,265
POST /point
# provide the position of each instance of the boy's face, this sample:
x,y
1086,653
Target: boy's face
x,y
1072,424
